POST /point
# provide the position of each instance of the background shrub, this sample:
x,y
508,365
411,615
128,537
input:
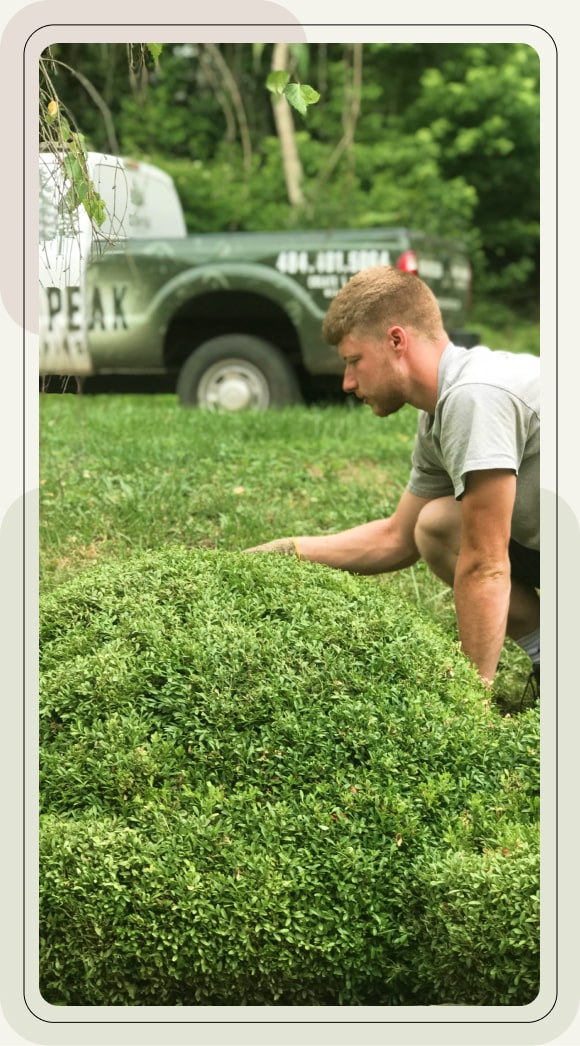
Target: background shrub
x,y
264,782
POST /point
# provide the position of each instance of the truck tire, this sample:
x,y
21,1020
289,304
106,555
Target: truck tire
x,y
236,372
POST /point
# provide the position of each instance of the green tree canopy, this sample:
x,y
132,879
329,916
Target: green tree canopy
x,y
438,136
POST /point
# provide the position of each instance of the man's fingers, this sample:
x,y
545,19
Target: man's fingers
x,y
283,546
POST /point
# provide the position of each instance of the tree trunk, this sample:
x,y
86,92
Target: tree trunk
x,y
293,172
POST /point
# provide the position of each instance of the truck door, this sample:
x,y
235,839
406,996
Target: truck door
x,y
64,244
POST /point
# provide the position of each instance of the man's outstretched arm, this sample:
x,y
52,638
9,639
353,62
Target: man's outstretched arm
x,y
377,547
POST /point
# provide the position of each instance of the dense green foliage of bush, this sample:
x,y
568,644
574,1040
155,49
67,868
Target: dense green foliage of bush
x,y
264,782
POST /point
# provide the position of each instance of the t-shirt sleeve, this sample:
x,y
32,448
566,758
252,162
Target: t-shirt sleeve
x,y
428,479
482,427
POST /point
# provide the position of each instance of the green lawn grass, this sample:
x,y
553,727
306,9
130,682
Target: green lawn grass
x,y
128,472
120,474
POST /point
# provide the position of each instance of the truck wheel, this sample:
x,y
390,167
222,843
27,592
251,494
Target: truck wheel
x,y
237,372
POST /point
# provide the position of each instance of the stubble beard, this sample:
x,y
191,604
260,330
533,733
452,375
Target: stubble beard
x,y
385,409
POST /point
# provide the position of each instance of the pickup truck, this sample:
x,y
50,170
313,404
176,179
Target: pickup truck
x,y
233,318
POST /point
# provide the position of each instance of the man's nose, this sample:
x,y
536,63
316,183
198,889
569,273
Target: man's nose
x,y
348,382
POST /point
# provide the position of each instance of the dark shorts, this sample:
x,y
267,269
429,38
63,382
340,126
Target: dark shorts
x,y
525,564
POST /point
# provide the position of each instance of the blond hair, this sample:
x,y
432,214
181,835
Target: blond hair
x,y
378,297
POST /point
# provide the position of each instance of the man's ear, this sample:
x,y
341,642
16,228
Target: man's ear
x,y
397,338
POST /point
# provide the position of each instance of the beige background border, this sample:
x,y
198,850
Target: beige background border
x,y
24,22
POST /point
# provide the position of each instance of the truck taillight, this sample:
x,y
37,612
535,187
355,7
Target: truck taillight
x,y
407,262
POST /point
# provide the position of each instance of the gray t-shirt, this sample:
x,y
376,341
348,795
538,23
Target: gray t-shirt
x,y
487,417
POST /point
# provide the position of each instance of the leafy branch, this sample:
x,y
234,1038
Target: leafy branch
x,y
299,96
57,135
81,190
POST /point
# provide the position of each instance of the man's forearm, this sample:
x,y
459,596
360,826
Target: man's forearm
x,y
372,548
366,549
482,603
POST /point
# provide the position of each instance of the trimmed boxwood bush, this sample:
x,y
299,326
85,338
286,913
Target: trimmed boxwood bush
x,y
266,782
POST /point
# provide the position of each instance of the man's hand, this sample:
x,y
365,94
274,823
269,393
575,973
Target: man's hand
x,y
283,546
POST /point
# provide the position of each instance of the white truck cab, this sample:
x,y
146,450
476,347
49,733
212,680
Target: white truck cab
x,y
141,202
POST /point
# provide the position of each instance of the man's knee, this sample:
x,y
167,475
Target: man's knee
x,y
437,536
438,523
